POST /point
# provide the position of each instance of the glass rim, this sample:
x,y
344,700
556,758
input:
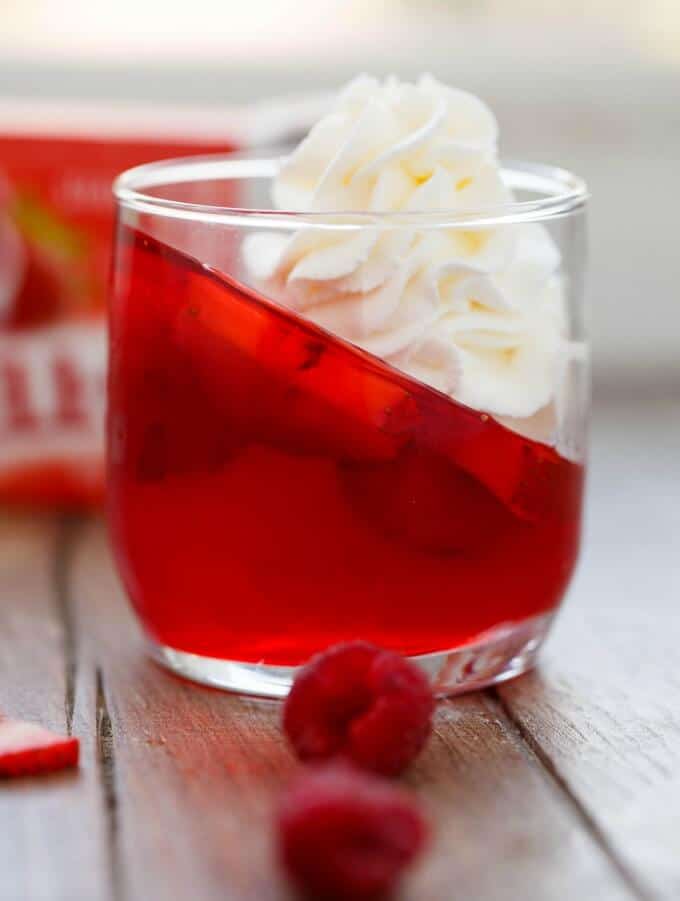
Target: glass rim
x,y
562,193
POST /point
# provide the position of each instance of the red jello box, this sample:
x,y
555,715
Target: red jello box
x,y
57,164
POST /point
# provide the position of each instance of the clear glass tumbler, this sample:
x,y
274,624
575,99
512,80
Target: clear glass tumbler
x,y
275,488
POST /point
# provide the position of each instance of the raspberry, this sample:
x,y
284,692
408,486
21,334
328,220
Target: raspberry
x,y
360,702
344,834
27,749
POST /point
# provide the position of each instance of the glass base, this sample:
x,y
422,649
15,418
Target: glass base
x,y
499,654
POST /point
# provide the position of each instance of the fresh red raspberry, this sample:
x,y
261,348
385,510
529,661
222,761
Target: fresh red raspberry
x,y
360,702
345,834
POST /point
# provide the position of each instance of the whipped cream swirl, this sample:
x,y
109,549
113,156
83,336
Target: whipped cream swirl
x,y
476,313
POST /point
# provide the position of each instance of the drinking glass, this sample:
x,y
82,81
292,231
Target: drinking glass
x,y
275,489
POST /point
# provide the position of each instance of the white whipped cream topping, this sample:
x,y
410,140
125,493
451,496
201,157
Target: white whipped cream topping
x,y
475,313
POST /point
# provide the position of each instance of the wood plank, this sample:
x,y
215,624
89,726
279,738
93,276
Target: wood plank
x,y
51,840
192,770
194,774
603,711
503,828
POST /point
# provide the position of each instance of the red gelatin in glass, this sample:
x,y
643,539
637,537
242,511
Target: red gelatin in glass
x,y
274,490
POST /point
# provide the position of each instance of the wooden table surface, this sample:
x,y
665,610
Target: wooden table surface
x,y
564,784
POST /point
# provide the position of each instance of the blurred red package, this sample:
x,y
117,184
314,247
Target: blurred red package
x,y
57,164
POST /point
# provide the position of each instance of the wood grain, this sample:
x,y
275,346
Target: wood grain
x,y
196,774
193,772
503,828
604,710
564,784
51,830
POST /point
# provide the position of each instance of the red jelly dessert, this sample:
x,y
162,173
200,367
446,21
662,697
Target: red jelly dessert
x,y
362,703
275,490
343,834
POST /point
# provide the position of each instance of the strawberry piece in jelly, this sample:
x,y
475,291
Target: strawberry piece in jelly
x,y
421,499
281,379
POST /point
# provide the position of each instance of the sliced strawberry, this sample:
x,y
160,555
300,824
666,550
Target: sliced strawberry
x,y
548,487
27,749
529,477
427,502
56,280
210,364
314,393
40,295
